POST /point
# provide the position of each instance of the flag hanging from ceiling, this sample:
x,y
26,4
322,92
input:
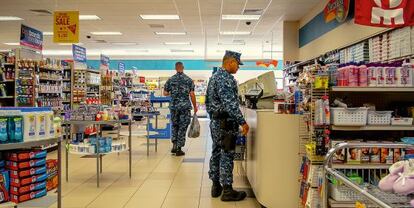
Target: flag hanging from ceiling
x,y
384,13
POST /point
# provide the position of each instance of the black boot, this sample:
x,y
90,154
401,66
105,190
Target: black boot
x,y
216,189
179,152
174,148
229,194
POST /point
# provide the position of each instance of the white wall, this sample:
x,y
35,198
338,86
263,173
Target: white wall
x,y
241,76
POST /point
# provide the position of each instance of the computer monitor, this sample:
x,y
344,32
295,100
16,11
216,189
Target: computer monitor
x,y
267,82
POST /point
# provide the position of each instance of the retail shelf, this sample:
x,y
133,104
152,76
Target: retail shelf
x,y
49,79
49,92
8,205
103,153
6,97
96,122
8,64
373,128
66,101
50,69
361,166
5,81
50,146
66,80
372,89
93,71
92,84
28,144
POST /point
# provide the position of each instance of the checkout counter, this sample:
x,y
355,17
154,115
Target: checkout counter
x,y
272,162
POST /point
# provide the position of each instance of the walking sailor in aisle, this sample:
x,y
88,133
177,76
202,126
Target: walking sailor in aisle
x,y
181,89
223,107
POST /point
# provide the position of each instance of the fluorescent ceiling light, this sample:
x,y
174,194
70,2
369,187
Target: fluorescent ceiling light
x,y
182,50
124,43
160,17
47,33
12,44
57,52
89,17
177,43
239,17
234,43
9,18
66,44
170,33
235,33
272,51
106,33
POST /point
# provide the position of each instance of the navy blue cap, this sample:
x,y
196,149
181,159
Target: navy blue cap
x,y
235,55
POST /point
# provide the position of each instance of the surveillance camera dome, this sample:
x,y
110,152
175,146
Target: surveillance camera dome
x,y
88,36
248,23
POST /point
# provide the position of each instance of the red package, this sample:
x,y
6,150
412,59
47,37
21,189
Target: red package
x,y
31,195
24,165
26,181
22,156
29,188
27,173
52,183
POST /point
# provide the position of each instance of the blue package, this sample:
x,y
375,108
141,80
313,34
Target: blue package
x,y
3,130
408,140
4,186
15,128
2,163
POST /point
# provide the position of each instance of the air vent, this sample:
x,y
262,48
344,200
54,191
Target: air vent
x,y
253,11
156,26
41,12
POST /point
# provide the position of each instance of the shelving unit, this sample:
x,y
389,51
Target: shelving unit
x,y
372,89
372,128
34,144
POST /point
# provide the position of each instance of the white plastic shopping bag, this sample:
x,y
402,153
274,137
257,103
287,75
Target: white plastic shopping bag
x,y
194,130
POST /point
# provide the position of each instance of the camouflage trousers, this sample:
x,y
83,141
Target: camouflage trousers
x,y
221,162
180,120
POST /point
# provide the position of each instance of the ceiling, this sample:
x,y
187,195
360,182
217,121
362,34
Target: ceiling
x,y
200,19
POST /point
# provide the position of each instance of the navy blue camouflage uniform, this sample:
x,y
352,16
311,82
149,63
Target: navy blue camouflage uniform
x,y
179,86
222,98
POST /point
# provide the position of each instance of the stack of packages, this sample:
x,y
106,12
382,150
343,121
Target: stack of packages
x,y
27,175
52,174
4,183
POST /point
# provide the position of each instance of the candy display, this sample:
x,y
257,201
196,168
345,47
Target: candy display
x,y
52,174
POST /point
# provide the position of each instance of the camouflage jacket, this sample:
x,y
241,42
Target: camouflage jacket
x,y
179,86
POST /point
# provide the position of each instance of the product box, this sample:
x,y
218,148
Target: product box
x,y
28,196
353,156
28,188
52,182
21,156
27,173
375,155
384,155
365,155
24,165
399,154
340,155
17,182
4,186
390,157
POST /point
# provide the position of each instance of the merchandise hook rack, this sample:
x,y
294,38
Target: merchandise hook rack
x,y
367,193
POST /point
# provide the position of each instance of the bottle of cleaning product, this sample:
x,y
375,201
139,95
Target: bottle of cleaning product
x,y
18,129
3,130
29,125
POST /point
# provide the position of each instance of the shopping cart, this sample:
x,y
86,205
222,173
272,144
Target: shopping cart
x,y
365,193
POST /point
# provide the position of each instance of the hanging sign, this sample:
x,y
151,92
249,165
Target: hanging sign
x,y
121,67
66,27
79,53
384,13
31,37
336,9
104,60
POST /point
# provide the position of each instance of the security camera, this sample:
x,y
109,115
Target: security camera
x,y
248,23
88,36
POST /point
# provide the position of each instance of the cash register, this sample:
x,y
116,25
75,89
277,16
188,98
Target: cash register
x,y
252,97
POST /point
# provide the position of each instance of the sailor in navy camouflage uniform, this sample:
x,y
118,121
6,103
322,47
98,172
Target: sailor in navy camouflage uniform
x,y
181,88
223,108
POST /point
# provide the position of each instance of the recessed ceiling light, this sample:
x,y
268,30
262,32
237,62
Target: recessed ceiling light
x,y
177,43
106,33
235,33
170,33
66,44
47,33
234,43
182,50
89,17
124,43
239,17
160,17
13,44
9,18
272,51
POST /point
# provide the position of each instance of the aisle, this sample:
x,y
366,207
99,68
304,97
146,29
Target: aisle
x,y
158,181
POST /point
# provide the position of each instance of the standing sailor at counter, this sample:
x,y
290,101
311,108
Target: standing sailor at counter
x,y
223,107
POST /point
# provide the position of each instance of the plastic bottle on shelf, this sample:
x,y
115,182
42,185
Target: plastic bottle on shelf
x,y
41,124
50,126
29,124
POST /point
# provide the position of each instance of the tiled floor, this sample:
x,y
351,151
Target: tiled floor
x,y
158,181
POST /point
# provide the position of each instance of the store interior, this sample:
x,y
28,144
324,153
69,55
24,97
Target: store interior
x,y
326,88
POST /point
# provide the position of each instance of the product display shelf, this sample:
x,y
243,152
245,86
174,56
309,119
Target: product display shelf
x,y
148,115
373,128
34,144
372,193
372,89
67,125
7,81
361,166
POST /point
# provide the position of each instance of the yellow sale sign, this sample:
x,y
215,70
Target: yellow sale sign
x,y
66,27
